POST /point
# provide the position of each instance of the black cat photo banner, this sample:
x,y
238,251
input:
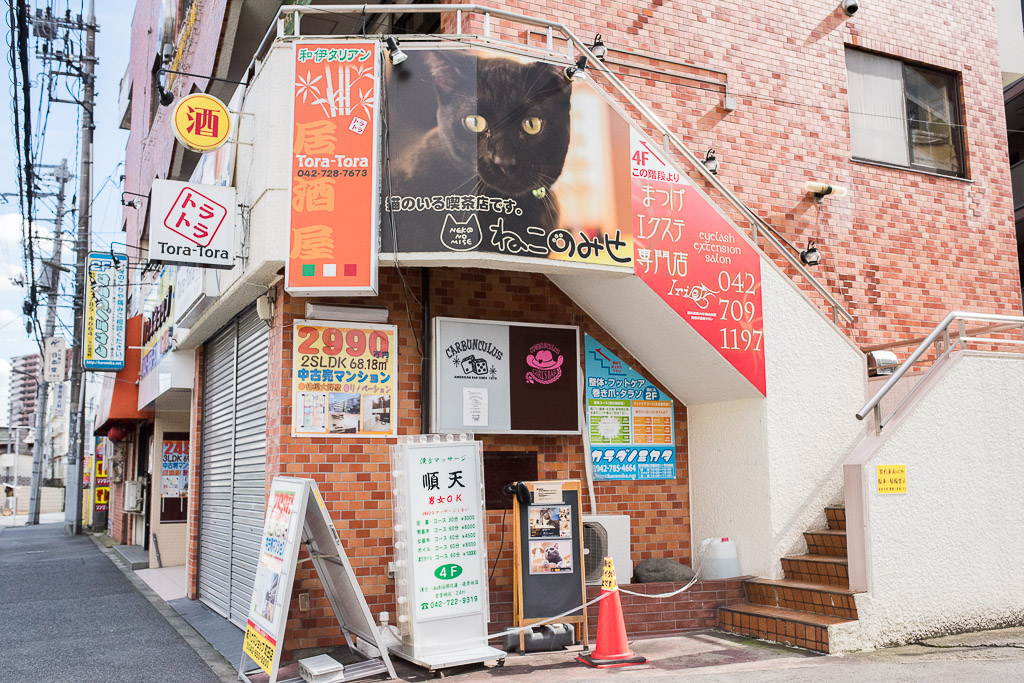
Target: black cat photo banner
x,y
504,156
494,377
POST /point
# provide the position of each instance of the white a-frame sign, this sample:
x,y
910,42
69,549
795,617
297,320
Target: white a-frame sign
x,y
296,514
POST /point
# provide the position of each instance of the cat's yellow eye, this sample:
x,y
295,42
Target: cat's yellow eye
x,y
475,123
532,125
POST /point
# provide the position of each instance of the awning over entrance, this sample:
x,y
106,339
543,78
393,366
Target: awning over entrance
x,y
120,397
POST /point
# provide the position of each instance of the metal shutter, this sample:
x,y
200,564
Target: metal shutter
x,y
247,501
233,465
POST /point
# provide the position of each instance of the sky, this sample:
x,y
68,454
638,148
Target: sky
x,y
60,141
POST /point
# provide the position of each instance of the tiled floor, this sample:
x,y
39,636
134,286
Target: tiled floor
x,y
168,583
224,636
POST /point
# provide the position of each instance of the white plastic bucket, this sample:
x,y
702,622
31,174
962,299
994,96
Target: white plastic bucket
x,y
719,559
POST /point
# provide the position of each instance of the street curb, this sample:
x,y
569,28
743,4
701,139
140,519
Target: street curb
x,y
213,659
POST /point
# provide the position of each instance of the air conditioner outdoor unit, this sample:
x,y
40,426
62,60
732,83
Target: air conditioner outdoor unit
x,y
606,536
133,496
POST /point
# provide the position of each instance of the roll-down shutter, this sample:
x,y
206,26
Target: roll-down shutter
x,y
233,464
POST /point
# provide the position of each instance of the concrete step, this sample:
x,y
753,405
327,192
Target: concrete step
x,y
785,626
819,569
836,516
801,596
829,542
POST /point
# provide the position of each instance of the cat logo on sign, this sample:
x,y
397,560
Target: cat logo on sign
x,y
201,122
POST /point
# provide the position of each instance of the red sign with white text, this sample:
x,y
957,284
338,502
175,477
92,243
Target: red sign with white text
x,y
696,260
334,185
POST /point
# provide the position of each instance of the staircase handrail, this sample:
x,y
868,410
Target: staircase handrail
x,y
945,344
758,224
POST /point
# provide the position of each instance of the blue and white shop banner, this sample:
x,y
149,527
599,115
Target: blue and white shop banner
x,y
630,421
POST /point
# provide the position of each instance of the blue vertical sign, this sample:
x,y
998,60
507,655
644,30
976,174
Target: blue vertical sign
x,y
630,421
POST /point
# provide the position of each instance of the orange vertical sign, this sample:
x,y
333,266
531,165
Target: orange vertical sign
x,y
335,182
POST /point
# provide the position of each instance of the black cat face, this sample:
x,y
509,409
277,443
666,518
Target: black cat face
x,y
511,118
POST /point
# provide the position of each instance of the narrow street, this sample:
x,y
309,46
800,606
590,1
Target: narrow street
x,y
69,614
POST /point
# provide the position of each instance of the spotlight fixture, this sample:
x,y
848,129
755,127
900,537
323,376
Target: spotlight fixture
x,y
598,48
133,203
822,190
579,71
395,53
810,256
166,96
710,162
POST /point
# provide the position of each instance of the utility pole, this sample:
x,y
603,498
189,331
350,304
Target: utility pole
x,y
76,450
62,174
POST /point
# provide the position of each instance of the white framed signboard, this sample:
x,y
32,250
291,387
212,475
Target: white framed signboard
x,y
192,224
296,514
441,550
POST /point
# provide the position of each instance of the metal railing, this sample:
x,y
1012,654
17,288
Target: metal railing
x,y
574,45
945,342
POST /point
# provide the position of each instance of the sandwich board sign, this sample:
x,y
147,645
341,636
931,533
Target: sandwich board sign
x,y
296,514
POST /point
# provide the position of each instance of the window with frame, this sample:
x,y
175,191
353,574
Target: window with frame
x,y
904,114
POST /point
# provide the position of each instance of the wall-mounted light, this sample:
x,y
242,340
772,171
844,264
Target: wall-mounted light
x,y
133,203
710,162
352,314
598,48
821,190
810,256
166,96
395,53
579,71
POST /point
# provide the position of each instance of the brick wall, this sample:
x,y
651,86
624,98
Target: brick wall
x,y
353,474
194,469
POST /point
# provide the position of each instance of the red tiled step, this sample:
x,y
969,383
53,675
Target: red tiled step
x,y
836,516
826,542
819,569
785,626
802,596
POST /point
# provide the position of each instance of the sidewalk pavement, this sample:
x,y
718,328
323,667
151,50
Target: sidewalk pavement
x,y
21,518
71,614
73,611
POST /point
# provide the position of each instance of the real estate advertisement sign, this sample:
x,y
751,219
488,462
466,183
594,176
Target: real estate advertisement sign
x,y
101,487
344,379
192,224
174,469
694,258
631,422
335,169
502,378
505,158
106,295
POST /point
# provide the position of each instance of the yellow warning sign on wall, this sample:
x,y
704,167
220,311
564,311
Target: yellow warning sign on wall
x,y
201,122
892,478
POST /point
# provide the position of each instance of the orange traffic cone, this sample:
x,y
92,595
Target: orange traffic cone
x,y
612,648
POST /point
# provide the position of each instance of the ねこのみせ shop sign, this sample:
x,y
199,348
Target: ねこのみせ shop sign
x,y
344,379
502,378
201,122
192,224
631,421
106,294
335,179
